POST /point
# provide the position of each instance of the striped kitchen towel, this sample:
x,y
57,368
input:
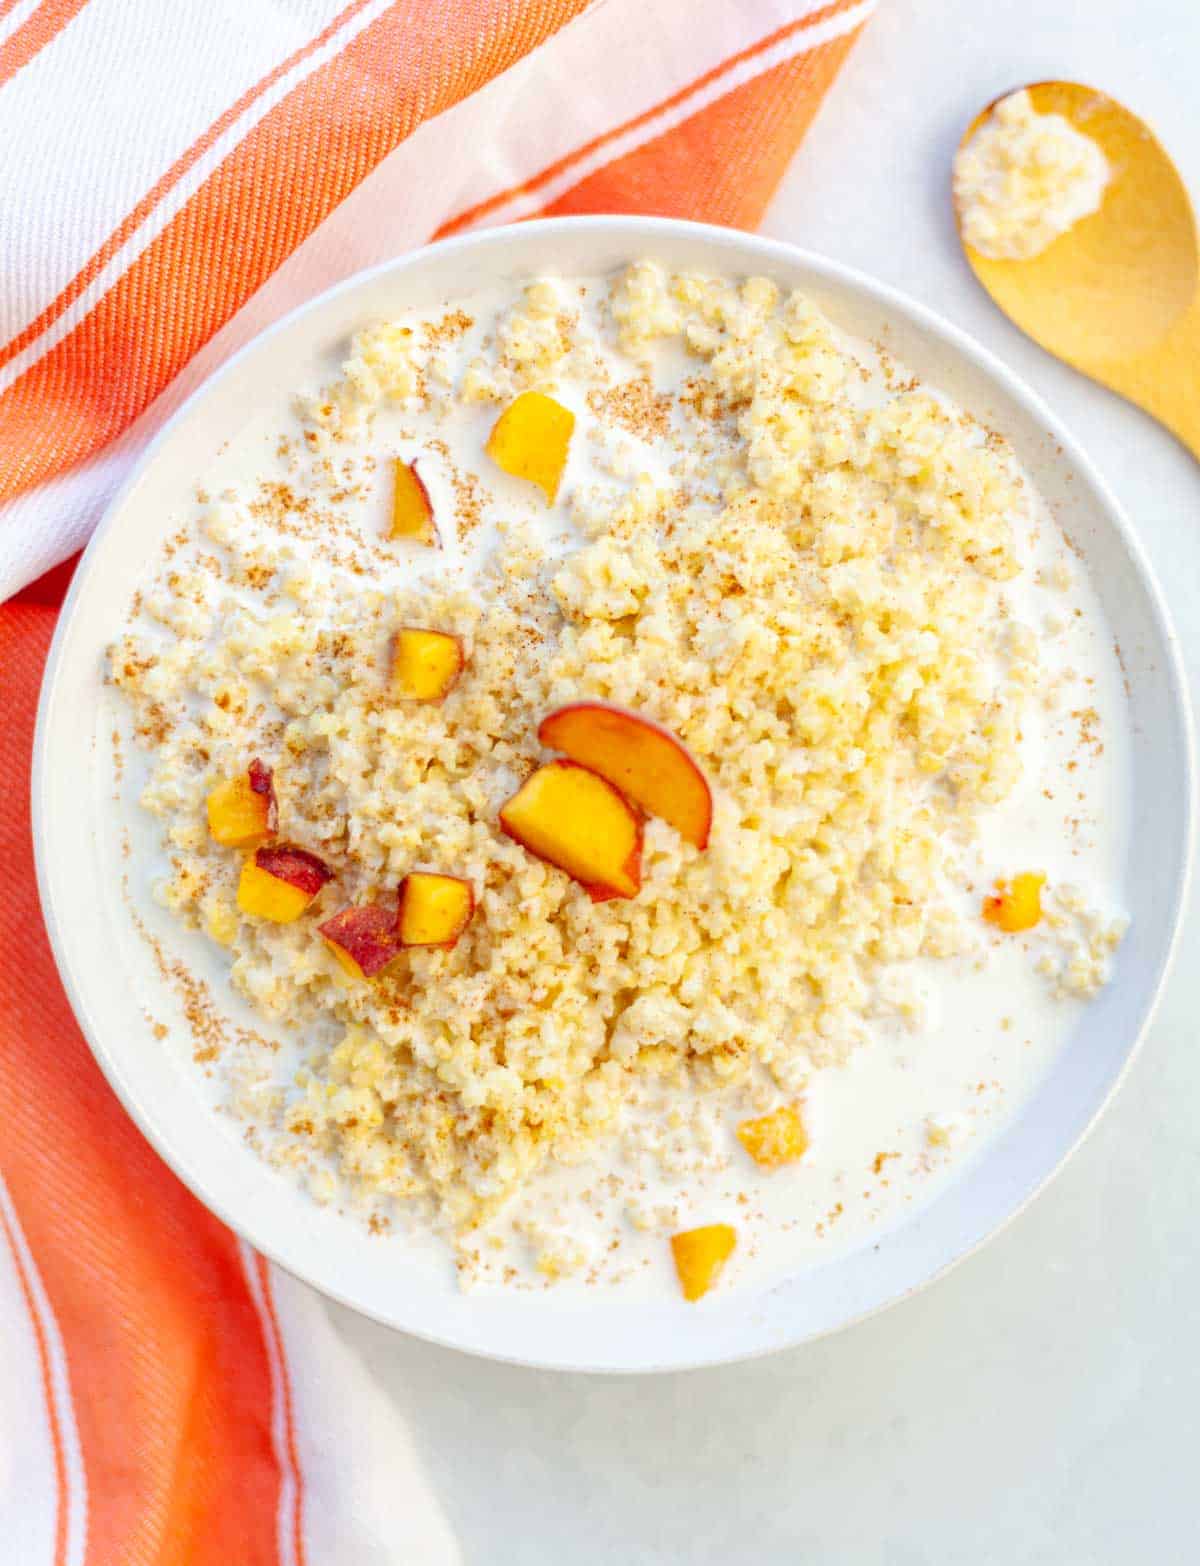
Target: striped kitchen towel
x,y
173,177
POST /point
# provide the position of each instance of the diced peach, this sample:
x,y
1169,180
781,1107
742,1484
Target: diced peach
x,y
775,1139
280,882
412,509
242,810
296,866
434,909
1016,907
638,756
530,440
576,820
425,664
363,939
267,897
700,1254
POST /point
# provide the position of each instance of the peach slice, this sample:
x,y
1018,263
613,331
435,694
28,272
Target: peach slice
x,y
434,909
530,440
412,509
775,1139
243,810
363,939
638,756
1016,907
700,1254
280,882
576,820
425,664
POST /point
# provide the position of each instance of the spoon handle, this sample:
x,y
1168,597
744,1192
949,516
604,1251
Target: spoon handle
x,y
1165,380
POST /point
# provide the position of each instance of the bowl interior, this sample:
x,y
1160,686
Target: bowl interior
x,y
76,826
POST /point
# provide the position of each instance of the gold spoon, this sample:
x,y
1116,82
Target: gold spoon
x,y
1116,295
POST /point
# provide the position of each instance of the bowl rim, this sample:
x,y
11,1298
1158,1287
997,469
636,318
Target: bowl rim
x,y
744,248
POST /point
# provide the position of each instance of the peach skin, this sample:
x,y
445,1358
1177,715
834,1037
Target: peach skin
x,y
363,939
279,883
638,756
243,810
412,509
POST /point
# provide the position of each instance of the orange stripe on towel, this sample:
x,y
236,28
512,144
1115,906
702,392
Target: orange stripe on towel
x,y
553,171
279,183
162,187
39,29
52,1417
289,1411
735,150
166,1357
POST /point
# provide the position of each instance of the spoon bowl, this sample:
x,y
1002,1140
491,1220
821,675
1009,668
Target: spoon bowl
x,y
1115,296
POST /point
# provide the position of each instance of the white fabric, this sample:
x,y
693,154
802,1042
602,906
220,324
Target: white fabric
x,y
29,1340
367,1498
90,168
619,60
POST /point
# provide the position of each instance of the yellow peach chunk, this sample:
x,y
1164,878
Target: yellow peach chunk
x,y
267,897
1016,907
700,1254
242,810
530,440
775,1139
412,509
570,817
434,909
425,664
280,881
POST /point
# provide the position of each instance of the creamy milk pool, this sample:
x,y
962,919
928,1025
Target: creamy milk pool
x,y
953,1043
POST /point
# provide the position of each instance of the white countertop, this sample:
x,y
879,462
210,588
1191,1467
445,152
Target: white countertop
x,y
1042,1403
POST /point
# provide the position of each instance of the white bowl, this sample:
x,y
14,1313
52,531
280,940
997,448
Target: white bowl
x,y
115,989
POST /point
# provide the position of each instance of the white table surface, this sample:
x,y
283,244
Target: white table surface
x,y
1042,1403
